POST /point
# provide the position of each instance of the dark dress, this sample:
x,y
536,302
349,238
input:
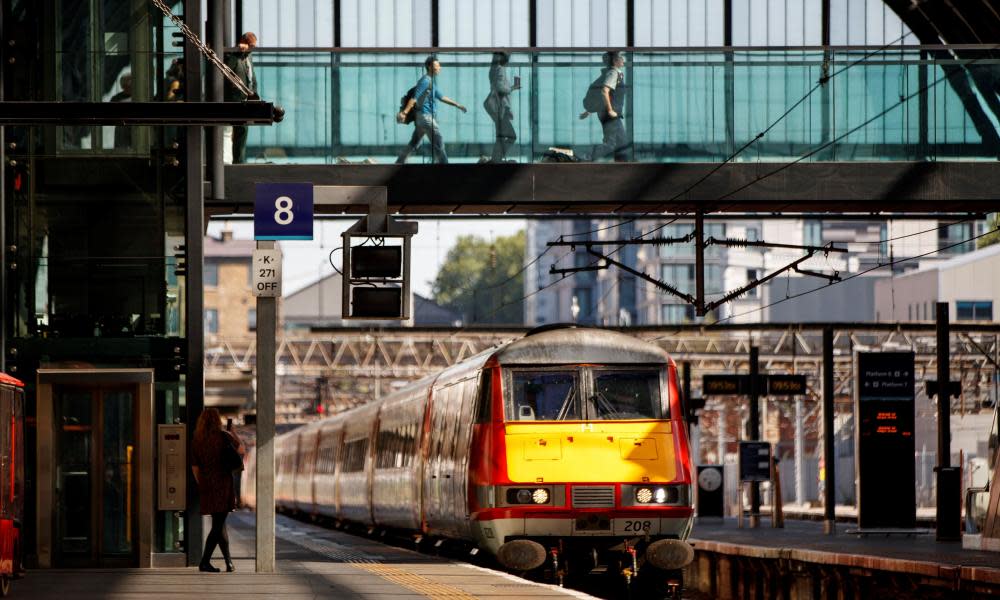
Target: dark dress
x,y
215,483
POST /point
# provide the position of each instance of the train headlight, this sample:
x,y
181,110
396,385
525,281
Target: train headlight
x,y
660,495
643,495
524,496
540,496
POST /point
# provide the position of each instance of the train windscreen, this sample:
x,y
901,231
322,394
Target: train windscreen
x,y
625,395
544,396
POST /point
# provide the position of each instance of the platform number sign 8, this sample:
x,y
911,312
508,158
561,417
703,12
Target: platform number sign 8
x,y
283,211
284,215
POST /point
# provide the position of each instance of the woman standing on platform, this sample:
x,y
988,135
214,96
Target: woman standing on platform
x,y
216,453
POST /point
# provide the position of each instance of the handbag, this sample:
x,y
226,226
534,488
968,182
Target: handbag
x,y
231,459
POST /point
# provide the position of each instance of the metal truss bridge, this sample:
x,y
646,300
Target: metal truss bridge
x,y
344,367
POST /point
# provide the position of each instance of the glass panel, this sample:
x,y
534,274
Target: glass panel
x,y
75,518
544,396
678,106
117,488
621,395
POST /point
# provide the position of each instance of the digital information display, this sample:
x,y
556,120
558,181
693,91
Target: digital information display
x,y
767,385
884,413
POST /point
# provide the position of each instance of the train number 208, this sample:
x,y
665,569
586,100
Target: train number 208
x,y
637,526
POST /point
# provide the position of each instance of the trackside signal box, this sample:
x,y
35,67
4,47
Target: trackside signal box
x,y
171,453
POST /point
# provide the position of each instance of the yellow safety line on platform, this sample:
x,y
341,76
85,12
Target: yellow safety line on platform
x,y
417,583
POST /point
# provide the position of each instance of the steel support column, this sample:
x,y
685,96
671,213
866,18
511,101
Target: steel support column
x,y
949,504
267,325
754,433
216,28
194,235
829,464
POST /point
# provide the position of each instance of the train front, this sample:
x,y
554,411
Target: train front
x,y
585,460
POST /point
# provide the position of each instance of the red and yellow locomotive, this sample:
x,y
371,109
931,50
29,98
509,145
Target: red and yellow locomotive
x,y
11,479
567,443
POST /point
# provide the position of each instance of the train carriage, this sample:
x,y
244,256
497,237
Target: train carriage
x,y
567,443
11,479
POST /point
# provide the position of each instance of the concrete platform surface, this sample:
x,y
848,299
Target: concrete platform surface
x,y
805,541
312,563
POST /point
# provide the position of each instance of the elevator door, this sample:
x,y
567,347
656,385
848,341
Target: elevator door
x,y
95,476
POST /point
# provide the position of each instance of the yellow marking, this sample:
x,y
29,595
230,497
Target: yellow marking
x,y
415,582
591,452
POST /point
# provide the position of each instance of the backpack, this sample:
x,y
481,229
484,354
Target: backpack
x,y
594,100
410,116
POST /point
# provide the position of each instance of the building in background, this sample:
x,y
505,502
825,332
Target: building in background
x,y
230,320
614,297
968,283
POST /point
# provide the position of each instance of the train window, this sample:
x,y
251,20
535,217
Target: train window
x,y
544,396
354,455
622,395
484,414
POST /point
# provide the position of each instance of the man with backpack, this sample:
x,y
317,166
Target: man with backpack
x,y
606,97
424,103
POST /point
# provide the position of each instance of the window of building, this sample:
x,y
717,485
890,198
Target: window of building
x,y
211,320
753,275
676,313
974,310
753,234
211,273
812,233
679,276
909,312
252,319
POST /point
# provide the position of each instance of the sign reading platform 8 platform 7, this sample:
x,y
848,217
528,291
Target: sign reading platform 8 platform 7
x,y
885,421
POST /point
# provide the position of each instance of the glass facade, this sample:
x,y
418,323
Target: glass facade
x,y
683,106
95,218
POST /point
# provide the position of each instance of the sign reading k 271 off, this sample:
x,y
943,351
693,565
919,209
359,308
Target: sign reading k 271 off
x,y
283,211
267,273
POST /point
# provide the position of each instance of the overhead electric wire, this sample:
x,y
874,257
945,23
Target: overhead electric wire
x,y
786,165
822,81
761,134
858,274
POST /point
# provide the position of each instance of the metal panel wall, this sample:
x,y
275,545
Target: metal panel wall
x,y
866,22
487,23
385,23
582,23
290,23
663,23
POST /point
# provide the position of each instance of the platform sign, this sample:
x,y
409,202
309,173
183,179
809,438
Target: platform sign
x,y
283,211
723,385
710,491
786,385
266,273
755,461
739,385
884,409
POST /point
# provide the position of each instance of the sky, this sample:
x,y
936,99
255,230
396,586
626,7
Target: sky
x,y
307,261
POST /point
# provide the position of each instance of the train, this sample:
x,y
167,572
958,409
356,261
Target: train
x,y
567,447
11,480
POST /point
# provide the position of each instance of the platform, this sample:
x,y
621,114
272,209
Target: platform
x,y
312,562
730,560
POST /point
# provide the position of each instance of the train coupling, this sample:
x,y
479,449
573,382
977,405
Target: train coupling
x,y
521,555
670,555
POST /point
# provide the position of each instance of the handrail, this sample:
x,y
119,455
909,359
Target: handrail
x,y
596,49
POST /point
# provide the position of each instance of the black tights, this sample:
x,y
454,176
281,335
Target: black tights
x,y
217,536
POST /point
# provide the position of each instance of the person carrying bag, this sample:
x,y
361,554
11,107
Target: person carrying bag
x,y
216,455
